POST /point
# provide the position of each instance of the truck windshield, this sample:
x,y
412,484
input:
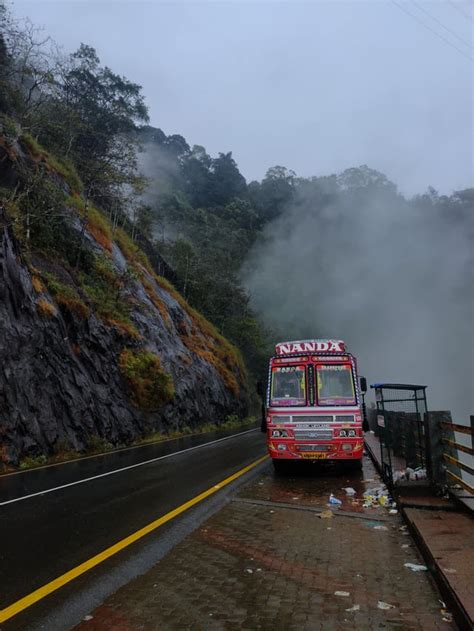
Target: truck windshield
x,y
288,385
335,385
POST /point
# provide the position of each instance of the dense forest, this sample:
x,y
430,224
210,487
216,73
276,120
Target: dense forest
x,y
195,212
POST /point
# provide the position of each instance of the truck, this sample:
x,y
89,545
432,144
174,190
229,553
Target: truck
x,y
314,406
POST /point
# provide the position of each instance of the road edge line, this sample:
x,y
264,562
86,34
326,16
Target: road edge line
x,y
114,471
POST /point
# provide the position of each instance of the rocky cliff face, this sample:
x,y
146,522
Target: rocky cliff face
x,y
62,377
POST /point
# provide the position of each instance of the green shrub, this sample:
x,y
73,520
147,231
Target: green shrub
x,y
149,385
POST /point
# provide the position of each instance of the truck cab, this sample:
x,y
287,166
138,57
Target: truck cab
x,y
313,403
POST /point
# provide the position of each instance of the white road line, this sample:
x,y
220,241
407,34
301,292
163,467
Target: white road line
x,y
132,466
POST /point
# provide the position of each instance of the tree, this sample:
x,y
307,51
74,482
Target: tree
x,y
227,182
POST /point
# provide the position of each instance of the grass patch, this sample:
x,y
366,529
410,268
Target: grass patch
x,y
149,385
156,300
99,227
63,168
45,308
33,461
37,284
97,224
103,288
66,296
134,255
231,422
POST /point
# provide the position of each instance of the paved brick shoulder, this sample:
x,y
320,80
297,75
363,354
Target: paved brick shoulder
x,y
448,539
265,566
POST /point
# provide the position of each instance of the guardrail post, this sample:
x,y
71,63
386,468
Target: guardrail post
x,y
436,467
472,432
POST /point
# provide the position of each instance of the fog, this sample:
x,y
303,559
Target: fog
x,y
394,280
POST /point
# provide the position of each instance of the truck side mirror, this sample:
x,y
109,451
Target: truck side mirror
x,y
260,388
363,385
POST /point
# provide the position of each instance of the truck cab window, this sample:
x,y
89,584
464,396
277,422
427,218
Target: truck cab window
x,y
288,385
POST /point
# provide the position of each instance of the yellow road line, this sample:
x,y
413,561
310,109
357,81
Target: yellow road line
x,y
49,588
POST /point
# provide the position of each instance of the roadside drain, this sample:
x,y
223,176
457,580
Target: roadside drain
x,y
312,509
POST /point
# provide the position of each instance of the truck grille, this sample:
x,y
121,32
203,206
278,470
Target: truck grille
x,y
314,447
312,419
318,434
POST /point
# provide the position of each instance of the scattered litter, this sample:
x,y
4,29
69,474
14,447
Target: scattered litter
x,y
345,594
416,568
272,511
369,480
349,490
405,545
88,617
295,498
410,474
155,584
329,528
380,528
334,500
326,514
249,571
403,527
393,511
449,570
443,604
447,616
382,605
354,608
259,569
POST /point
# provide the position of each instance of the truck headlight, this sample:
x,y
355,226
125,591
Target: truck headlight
x,y
279,433
352,433
342,432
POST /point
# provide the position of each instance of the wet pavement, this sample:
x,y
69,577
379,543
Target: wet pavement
x,y
278,557
47,535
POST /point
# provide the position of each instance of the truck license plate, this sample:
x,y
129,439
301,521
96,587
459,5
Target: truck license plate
x,y
315,455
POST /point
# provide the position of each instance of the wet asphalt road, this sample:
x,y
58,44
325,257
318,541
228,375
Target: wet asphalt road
x,y
44,536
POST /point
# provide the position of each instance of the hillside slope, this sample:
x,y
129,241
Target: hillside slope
x,y
95,345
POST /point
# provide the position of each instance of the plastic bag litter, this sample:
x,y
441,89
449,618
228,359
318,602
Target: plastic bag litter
x,y
410,474
393,511
326,514
416,568
345,594
354,608
382,605
349,490
380,528
333,500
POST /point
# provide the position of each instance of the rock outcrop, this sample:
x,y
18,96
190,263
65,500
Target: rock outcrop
x,y
61,383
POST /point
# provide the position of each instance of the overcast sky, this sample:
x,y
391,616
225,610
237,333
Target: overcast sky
x,y
314,86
